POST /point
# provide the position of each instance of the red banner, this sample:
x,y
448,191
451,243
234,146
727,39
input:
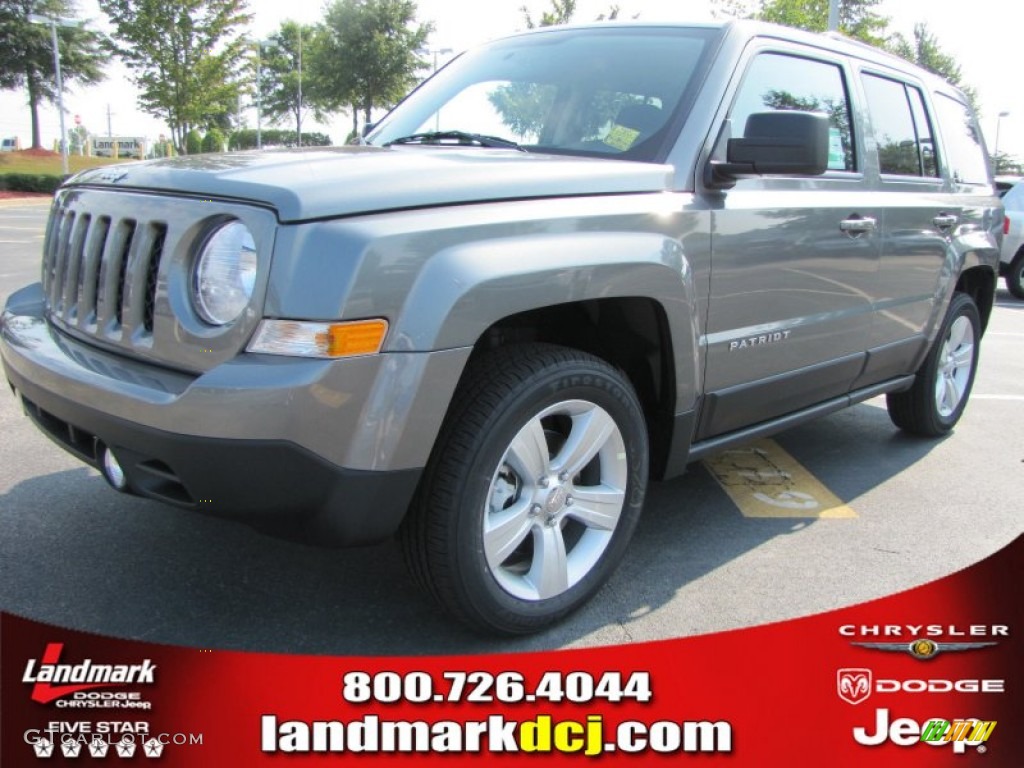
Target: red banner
x,y
929,677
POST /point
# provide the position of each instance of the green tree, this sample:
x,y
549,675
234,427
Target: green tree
x,y
561,12
213,141
282,59
275,137
366,55
26,53
186,57
1004,163
193,142
857,18
925,51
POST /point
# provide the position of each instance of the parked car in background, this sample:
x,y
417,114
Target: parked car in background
x,y
1005,183
1011,258
10,144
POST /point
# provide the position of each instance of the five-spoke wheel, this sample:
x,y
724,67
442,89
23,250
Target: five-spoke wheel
x,y
533,490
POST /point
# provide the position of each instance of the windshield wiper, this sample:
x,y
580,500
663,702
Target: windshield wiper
x,y
457,138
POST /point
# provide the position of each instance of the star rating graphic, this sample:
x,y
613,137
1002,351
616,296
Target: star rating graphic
x,y
43,748
71,748
125,748
154,748
98,747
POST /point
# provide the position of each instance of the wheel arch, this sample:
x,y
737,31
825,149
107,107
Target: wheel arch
x,y
630,333
980,284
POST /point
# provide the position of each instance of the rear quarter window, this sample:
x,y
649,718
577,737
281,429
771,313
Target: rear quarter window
x,y
965,153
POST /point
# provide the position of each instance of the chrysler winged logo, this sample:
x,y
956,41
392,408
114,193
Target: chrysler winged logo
x,y
923,648
853,685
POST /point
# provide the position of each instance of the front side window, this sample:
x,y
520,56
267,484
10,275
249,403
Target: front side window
x,y
604,92
776,81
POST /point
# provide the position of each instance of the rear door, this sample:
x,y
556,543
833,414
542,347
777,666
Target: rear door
x,y
794,259
919,220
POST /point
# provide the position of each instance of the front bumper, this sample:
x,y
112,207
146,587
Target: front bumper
x,y
321,450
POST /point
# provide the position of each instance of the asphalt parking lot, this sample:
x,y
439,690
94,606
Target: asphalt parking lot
x,y
76,554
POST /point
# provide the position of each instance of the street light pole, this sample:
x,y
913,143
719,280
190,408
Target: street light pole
x,y
298,113
52,22
995,151
435,52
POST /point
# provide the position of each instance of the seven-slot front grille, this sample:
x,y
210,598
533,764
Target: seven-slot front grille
x,y
100,272
117,274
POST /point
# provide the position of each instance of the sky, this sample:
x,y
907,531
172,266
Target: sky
x,y
981,41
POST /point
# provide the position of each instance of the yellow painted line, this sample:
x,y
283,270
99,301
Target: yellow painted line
x,y
765,481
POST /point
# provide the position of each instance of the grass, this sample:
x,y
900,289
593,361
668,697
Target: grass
x,y
23,162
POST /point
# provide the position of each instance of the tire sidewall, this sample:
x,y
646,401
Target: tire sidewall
x,y
1015,276
961,306
579,381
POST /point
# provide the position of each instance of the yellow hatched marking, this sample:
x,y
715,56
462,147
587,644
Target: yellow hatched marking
x,y
765,481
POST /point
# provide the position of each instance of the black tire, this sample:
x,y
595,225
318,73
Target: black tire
x,y
477,490
918,410
1015,275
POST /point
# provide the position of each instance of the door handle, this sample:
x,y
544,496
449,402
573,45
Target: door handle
x,y
945,221
858,225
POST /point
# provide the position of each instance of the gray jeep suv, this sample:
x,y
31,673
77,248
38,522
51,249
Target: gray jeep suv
x,y
574,260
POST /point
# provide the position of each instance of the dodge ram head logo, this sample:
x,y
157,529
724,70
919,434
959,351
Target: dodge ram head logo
x,y
853,685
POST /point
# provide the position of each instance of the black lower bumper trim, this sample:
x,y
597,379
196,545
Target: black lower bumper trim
x,y
275,486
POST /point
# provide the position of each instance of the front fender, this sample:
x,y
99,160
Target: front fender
x,y
467,288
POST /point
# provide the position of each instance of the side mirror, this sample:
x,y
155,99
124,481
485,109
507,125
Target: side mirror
x,y
784,142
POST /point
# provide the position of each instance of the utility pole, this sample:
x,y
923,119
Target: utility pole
x,y
110,129
995,153
259,94
833,15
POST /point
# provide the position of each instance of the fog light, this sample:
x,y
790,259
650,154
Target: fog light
x,y
112,470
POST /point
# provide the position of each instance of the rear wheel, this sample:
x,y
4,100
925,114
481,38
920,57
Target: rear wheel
x,y
1015,275
533,490
934,404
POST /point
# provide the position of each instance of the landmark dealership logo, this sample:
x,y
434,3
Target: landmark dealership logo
x,y
51,680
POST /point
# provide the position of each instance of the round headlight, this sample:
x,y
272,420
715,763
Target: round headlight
x,y
225,274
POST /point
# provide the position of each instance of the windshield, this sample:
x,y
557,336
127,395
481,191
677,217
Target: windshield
x,y
613,92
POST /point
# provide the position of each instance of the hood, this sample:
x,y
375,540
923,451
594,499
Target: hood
x,y
342,181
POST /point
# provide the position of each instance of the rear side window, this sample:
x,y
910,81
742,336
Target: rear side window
x,y
964,152
901,128
776,81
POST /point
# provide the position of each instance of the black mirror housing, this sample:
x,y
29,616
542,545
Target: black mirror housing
x,y
783,142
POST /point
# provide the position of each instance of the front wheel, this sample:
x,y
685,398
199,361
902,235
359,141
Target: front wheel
x,y
935,402
533,490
